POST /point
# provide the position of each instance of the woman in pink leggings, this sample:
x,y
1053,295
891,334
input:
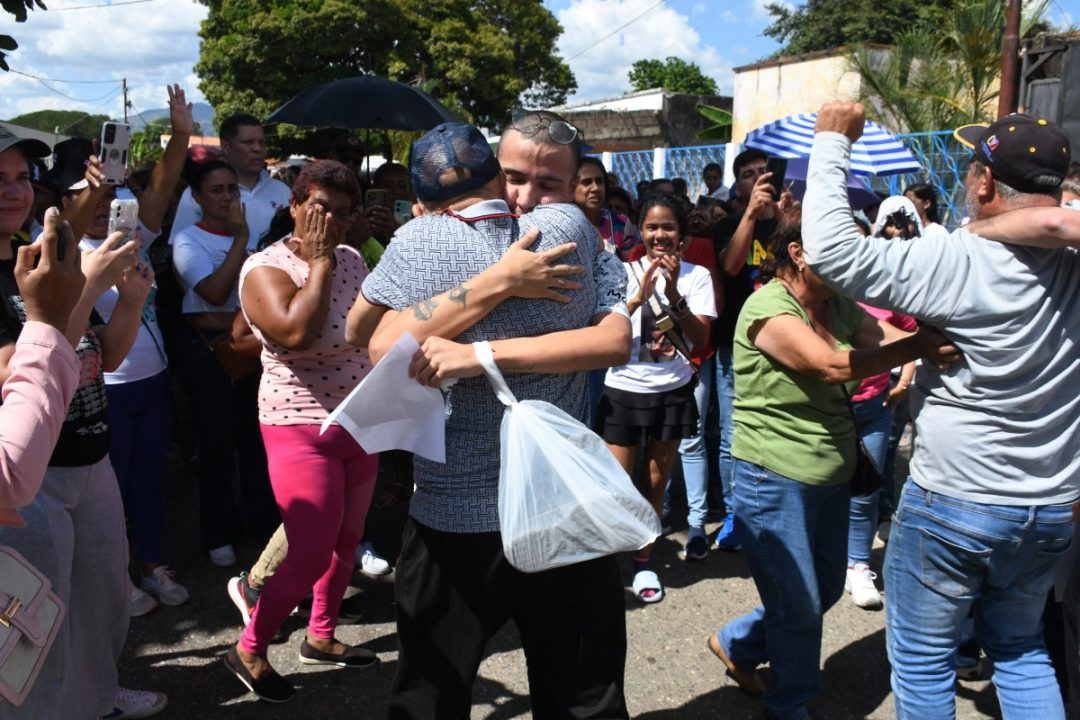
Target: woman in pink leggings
x,y
296,295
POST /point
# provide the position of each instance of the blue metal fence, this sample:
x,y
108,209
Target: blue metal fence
x,y
943,159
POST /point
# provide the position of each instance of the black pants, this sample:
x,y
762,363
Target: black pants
x,y
227,415
454,591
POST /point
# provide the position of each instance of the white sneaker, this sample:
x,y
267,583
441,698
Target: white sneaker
x,y
371,563
223,556
161,585
860,583
131,704
141,603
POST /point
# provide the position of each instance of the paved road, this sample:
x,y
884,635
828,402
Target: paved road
x,y
669,671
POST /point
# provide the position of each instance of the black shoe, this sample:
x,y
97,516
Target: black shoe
x,y
353,656
351,612
271,687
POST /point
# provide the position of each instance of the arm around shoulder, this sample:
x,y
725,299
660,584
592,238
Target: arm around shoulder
x,y
1045,227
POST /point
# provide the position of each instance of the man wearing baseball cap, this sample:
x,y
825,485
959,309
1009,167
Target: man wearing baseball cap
x,y
455,272
986,512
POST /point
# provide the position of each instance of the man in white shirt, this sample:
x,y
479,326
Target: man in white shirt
x,y
243,145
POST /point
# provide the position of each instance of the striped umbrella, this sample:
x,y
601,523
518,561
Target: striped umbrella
x,y
877,152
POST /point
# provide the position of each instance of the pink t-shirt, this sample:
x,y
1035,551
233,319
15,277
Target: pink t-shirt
x,y
877,384
301,387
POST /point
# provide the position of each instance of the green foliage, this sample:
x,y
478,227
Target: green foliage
x,y
828,24
18,8
480,58
672,74
146,144
720,130
941,76
64,122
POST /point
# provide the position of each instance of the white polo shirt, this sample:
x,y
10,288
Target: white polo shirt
x,y
260,204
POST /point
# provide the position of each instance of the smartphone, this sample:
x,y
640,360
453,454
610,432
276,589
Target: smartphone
x,y
402,211
778,168
376,198
115,140
124,217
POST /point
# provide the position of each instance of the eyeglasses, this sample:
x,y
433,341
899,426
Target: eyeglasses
x,y
559,131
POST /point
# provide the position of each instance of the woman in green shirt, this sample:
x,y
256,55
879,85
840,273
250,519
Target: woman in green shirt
x,y
794,453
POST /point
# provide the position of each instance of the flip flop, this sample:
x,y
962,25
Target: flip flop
x,y
648,580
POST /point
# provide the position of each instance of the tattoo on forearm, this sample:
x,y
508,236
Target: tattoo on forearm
x,y
424,309
458,294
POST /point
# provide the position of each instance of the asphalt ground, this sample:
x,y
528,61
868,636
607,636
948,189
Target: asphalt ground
x,y
669,671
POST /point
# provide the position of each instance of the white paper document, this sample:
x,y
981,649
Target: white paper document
x,y
389,410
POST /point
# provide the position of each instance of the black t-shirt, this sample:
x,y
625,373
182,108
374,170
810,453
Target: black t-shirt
x,y
84,436
738,288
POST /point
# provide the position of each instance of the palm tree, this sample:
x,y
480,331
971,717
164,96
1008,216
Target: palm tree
x,y
940,77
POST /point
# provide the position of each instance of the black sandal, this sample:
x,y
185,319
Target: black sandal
x,y
271,687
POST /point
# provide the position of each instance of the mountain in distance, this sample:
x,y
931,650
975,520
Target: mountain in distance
x,y
202,112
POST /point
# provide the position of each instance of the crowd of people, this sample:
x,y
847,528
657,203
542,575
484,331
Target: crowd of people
x,y
788,341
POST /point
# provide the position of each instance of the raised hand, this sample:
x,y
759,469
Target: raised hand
x,y
532,275
51,290
843,117
180,116
105,265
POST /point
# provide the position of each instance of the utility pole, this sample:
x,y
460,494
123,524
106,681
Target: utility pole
x,y
123,84
1010,50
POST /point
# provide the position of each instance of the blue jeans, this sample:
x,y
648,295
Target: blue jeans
x,y
140,426
900,417
943,555
872,422
793,535
695,466
725,402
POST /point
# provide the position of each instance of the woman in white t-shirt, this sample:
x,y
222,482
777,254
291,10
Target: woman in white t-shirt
x,y
207,258
652,396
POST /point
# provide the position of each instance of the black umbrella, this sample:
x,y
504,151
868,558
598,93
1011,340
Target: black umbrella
x,y
364,102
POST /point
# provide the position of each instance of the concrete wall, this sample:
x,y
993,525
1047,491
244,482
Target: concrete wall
x,y
788,86
675,125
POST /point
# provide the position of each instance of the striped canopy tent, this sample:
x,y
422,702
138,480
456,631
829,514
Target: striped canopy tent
x,y
877,152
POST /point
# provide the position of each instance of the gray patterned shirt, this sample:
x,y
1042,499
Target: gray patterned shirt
x,y
435,253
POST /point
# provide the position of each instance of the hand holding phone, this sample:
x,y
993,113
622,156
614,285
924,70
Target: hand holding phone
x,y
778,168
124,217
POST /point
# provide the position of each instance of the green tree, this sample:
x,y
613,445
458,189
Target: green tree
x,y
64,122
672,74
828,24
480,58
18,8
942,76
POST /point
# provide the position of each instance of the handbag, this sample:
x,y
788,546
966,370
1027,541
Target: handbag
x,y
30,615
237,365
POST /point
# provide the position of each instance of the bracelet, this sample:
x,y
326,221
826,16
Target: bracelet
x,y
680,306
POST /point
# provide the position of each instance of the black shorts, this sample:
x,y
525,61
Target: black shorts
x,y
625,418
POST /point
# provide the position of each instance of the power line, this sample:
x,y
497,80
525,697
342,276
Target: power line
x,y
72,97
616,31
46,79
91,7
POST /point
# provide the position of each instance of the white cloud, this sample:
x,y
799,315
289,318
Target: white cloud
x,y
150,44
601,67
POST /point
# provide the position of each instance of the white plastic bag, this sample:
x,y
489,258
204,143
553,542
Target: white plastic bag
x,y
563,497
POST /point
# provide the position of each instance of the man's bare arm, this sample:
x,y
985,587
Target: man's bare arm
x,y
1045,227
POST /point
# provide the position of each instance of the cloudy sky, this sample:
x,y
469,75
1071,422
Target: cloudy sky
x,y
153,42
